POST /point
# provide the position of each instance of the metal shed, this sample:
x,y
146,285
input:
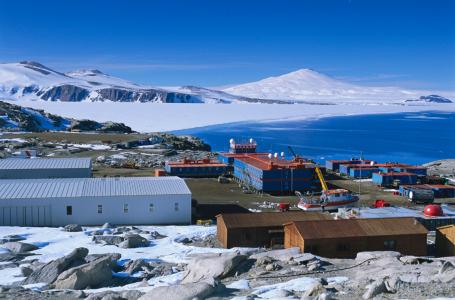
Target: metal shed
x,y
20,168
263,229
345,238
94,201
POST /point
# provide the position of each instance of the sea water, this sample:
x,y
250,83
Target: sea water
x,y
413,138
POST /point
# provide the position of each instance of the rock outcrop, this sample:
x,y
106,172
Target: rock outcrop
x,y
49,272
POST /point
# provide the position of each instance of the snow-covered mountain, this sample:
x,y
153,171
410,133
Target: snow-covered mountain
x,y
309,85
31,81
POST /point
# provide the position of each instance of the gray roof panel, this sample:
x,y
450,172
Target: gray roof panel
x,y
44,163
91,187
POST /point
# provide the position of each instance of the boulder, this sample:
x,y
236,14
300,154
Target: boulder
x,y
121,230
447,272
19,247
188,291
11,238
134,266
116,295
134,241
155,235
315,289
264,260
50,271
413,260
107,226
108,239
281,254
206,267
92,274
115,127
26,271
366,255
72,228
114,257
375,288
303,258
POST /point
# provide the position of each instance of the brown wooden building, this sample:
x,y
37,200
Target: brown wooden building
x,y
445,241
264,229
345,238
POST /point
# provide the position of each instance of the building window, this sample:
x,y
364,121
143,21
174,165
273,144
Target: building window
x,y
69,210
125,208
100,209
151,207
176,206
390,245
313,249
342,247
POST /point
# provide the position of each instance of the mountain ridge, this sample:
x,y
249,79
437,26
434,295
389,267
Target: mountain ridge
x,y
29,80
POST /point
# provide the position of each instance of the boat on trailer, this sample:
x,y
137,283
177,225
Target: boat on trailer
x,y
329,200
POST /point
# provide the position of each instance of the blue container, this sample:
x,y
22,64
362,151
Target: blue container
x,y
362,173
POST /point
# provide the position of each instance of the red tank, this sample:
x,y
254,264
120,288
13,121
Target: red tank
x,y
433,210
284,206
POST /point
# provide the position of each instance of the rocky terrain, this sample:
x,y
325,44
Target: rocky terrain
x,y
444,168
205,272
18,118
145,151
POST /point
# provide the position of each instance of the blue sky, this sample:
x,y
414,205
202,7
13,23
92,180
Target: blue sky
x,y
217,42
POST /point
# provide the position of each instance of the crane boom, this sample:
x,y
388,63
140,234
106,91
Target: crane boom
x,y
292,151
321,179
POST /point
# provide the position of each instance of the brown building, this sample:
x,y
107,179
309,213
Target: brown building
x,y
345,238
445,241
264,229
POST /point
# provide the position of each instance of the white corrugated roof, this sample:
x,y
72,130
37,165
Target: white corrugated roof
x,y
91,187
44,163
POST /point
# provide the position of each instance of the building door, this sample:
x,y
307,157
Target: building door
x,y
25,216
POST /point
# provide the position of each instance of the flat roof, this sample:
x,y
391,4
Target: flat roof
x,y
269,219
344,228
44,163
265,163
92,187
397,174
430,186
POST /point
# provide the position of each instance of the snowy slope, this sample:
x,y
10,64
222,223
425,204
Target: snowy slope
x,y
32,81
309,85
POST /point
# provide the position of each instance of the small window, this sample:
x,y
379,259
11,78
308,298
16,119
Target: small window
x,y
100,209
176,206
342,247
69,210
151,207
125,208
390,245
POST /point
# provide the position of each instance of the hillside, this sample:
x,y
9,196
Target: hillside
x,y
18,118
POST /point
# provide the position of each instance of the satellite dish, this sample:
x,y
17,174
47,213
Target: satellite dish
x,y
282,155
275,155
231,141
269,156
251,141
372,163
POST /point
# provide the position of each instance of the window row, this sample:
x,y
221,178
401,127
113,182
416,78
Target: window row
x,y
99,208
